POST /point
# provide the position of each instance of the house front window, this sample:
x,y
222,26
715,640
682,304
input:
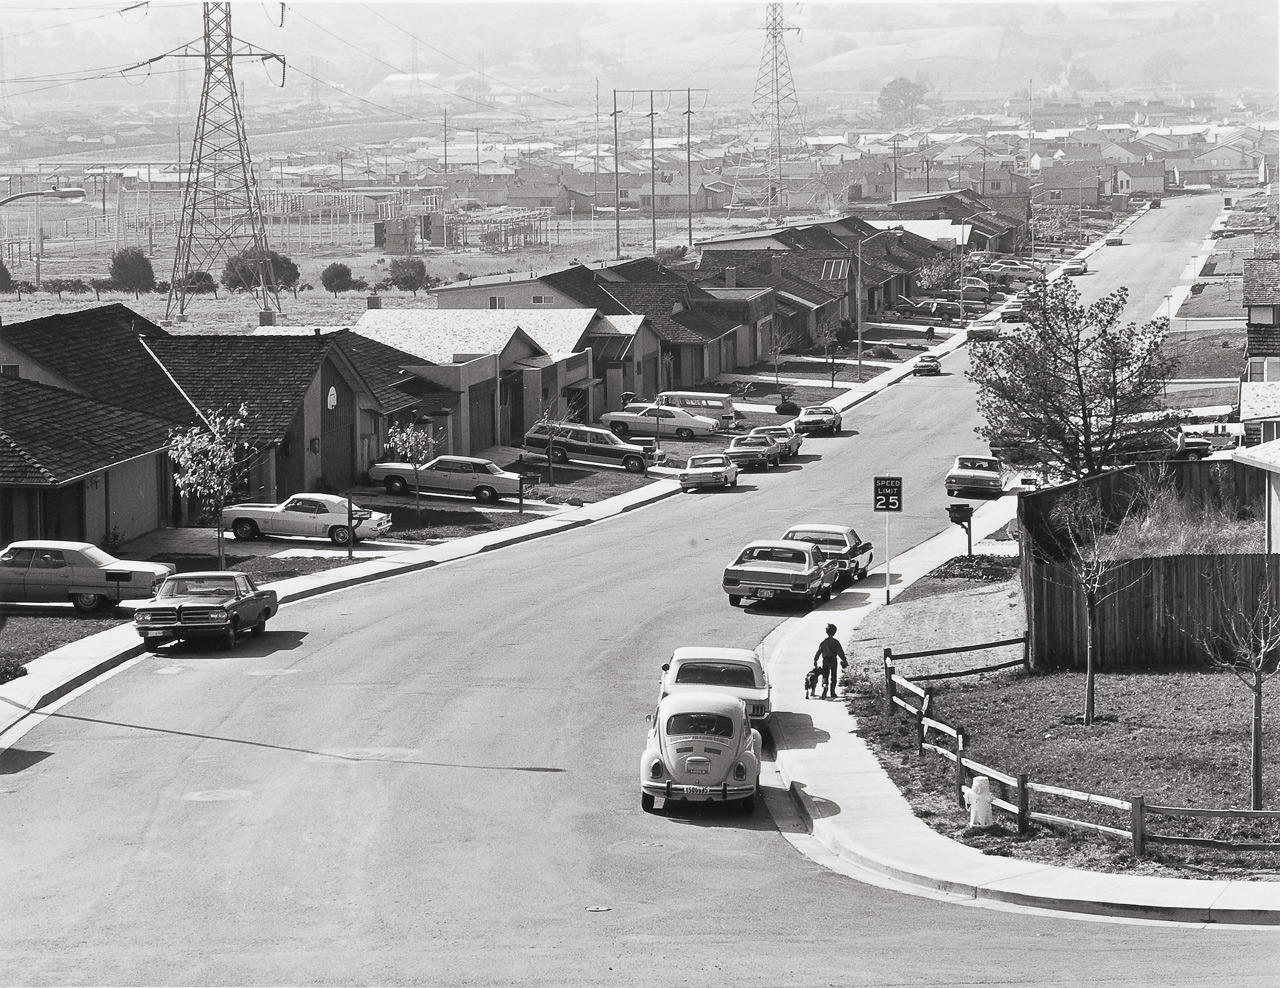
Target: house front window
x,y
1055,195
497,301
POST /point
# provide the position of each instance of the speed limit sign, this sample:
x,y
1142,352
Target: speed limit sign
x,y
887,494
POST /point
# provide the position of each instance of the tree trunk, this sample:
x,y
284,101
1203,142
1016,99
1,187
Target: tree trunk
x,y
1255,782
417,496
1090,656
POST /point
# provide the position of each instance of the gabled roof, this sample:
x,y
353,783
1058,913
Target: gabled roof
x,y
435,336
97,353
672,310
269,374
804,266
45,441
579,283
1261,281
644,270
1153,170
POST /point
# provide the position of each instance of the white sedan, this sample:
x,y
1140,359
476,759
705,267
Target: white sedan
x,y
709,470
307,514
733,671
482,479
659,420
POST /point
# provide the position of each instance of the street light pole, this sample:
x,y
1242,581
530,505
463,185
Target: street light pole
x,y
70,195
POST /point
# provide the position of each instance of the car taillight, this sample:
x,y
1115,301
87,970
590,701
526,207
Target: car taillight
x,y
800,585
655,770
739,771
730,581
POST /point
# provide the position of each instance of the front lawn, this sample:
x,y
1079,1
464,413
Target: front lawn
x,y
1220,299
1219,353
580,481
1178,738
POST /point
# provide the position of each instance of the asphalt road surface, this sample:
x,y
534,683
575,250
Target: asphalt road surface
x,y
433,779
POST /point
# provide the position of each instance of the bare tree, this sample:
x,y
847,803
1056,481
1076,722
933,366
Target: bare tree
x,y
417,446
826,337
1242,635
780,344
210,459
1097,552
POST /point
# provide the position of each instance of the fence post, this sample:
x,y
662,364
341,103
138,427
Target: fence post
x,y
1137,823
888,678
1026,651
960,767
1024,805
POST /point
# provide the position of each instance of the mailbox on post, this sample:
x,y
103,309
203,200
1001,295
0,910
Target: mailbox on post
x,y
962,515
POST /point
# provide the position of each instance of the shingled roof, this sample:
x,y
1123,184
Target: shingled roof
x,y
270,374
580,284
672,311
97,353
44,441
1261,281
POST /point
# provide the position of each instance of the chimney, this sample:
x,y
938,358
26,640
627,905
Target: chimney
x,y
316,330
730,277
776,265
373,302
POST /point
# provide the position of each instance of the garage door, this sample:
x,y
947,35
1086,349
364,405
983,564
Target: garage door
x,y
484,431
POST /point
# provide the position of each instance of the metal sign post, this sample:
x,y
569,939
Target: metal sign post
x,y
886,496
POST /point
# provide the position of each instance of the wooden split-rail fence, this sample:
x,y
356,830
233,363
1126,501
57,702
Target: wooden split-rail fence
x,y
1018,790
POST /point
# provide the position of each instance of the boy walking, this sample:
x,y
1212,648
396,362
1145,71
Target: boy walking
x,y
830,649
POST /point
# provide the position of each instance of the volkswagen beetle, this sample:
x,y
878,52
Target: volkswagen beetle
x,y
701,748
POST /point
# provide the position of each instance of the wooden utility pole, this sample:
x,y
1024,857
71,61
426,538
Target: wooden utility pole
x,y
617,195
653,175
688,158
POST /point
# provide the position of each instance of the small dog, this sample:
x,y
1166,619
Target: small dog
x,y
811,680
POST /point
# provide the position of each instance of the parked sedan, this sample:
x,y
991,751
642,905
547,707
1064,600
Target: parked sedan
x,y
732,671
768,569
839,544
1076,266
785,435
754,451
818,418
926,364
975,474
659,420
323,515
37,571
482,479
709,470
219,605
701,748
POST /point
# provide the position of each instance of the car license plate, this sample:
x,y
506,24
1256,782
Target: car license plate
x,y
699,790
696,768
152,634
762,593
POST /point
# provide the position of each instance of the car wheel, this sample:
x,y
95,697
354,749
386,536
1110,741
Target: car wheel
x,y
340,535
228,638
684,434
646,802
486,495
151,644
735,599
633,464
244,530
747,806
619,428
396,485
87,603
733,482
558,455
261,627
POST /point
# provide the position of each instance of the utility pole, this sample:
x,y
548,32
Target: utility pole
x,y
653,175
446,150
595,156
895,167
688,158
774,108
617,199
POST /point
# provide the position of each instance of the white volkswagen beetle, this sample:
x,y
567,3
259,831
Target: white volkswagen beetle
x,y
701,748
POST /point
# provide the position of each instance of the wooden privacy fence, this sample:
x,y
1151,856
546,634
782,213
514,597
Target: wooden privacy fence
x,y
1152,618
1017,790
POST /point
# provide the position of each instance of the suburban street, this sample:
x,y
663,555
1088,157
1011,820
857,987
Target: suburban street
x,y
433,778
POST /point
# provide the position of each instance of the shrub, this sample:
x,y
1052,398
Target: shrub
x,y
882,352
408,274
11,668
243,271
131,271
337,278
6,279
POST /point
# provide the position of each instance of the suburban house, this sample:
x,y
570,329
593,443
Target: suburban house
x,y
1260,384
812,288
1062,185
1140,178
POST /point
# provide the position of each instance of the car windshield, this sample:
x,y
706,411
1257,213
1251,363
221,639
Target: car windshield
x,y
817,410
968,463
97,556
199,586
817,538
705,461
716,674
751,441
771,554
706,725
490,467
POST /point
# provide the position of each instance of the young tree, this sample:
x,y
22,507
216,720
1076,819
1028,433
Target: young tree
x,y
56,286
1243,637
826,337
1071,391
780,344
408,274
337,278
131,271
210,459
201,283
417,446
1096,552
248,270
942,273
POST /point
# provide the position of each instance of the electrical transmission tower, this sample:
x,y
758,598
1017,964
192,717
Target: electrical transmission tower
x,y
775,110
221,210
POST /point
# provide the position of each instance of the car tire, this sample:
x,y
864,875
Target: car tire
x,y
735,600
341,535
646,802
558,455
244,529
260,628
747,806
684,435
733,482
486,495
397,486
151,644
227,640
633,464
620,429
87,603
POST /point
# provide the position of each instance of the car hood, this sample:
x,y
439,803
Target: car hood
x,y
191,601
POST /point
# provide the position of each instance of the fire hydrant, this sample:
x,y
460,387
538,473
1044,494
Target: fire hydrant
x,y
978,798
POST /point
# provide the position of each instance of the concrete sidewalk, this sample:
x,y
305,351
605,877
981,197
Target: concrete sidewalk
x,y
856,812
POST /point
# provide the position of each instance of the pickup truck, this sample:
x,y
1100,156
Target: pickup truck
x,y
323,515
219,605
839,544
770,569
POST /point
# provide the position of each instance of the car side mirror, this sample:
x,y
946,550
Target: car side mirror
x,y
666,666
648,718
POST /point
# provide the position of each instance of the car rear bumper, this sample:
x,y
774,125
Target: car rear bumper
x,y
699,794
769,593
